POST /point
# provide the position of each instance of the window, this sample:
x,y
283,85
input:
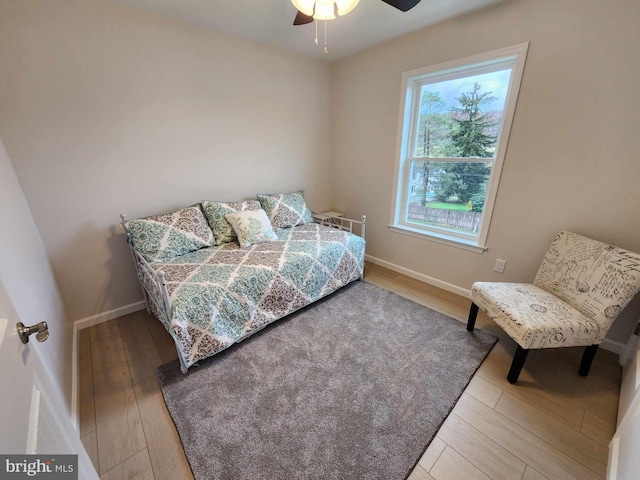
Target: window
x,y
454,128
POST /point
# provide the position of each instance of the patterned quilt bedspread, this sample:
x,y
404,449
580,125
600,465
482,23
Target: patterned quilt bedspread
x,y
219,295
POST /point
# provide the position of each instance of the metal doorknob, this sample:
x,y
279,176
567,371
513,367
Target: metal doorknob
x,y
41,330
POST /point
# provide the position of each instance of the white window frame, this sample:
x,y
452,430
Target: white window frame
x,y
513,56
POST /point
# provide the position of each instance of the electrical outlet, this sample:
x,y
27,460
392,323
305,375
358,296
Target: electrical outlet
x,y
499,265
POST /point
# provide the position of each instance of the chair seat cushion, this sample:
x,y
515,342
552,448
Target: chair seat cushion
x,y
533,317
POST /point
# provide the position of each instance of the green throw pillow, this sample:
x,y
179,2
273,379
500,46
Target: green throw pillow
x,y
216,211
286,209
162,237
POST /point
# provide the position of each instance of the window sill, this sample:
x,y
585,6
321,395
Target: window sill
x,y
441,238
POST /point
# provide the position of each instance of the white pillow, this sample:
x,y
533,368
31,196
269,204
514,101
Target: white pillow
x,y
251,226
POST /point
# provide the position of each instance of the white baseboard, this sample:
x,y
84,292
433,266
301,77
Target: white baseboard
x,y
109,315
612,346
75,352
607,344
420,276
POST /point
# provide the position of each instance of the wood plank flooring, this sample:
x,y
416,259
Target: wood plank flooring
x,y
553,424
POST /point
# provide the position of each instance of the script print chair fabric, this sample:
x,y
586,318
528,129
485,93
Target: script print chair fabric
x,y
579,290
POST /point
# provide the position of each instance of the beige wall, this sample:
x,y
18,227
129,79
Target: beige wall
x,y
106,109
27,280
573,160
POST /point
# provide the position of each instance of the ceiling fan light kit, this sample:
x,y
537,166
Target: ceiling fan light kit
x,y
304,6
310,10
324,9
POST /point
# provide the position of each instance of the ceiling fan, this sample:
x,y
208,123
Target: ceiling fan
x,y
327,10
309,10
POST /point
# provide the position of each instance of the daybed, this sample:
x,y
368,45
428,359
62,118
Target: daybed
x,y
211,287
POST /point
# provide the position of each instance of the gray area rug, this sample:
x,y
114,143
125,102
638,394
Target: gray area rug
x,y
354,386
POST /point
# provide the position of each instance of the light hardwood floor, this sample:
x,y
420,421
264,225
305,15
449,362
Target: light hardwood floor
x,y
553,424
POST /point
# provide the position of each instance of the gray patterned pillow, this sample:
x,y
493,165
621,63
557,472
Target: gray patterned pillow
x,y
216,211
161,237
286,209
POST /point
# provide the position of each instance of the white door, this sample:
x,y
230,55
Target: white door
x,y
32,416
624,461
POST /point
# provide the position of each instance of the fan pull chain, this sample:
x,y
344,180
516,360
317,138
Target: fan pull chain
x,y
326,48
316,33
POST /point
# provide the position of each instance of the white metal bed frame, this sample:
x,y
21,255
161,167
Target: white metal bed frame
x,y
154,285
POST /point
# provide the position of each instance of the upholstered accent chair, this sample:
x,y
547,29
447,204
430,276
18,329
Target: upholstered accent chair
x,y
579,290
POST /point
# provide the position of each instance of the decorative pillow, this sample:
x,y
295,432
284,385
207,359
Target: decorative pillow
x,y
286,209
161,237
251,226
215,212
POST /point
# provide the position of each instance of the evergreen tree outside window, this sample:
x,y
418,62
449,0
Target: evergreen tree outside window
x,y
455,124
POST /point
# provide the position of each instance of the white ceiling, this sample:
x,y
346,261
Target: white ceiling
x,y
271,21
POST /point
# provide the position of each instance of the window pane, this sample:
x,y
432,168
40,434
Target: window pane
x,y
453,138
447,195
461,118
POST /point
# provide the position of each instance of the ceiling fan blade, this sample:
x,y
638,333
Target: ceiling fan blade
x,y
404,5
302,19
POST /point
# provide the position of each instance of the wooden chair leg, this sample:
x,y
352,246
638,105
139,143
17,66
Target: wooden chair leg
x,y
517,364
473,313
587,359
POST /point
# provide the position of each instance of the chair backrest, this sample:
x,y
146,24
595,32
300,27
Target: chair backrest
x,y
596,279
